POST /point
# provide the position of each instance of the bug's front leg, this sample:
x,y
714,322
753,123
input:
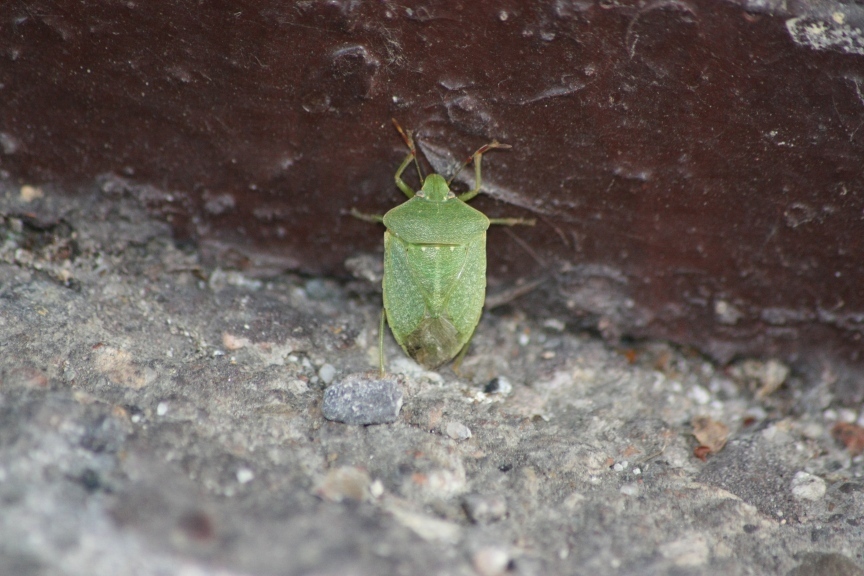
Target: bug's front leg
x,y
412,155
401,183
477,157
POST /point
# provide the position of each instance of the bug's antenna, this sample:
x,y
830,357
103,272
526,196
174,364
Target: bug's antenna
x,y
409,141
480,151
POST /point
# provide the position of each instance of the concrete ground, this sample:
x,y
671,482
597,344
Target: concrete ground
x,y
159,417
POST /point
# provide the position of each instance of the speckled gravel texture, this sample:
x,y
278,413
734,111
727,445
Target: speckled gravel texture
x,y
160,416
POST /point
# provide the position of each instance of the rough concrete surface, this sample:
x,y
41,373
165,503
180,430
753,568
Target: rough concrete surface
x,y
158,417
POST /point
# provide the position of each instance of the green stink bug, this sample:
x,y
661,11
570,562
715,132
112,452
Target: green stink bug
x,y
434,264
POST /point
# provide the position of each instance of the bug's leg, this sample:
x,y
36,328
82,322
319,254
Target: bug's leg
x,y
367,217
409,142
401,183
477,157
381,342
513,221
472,193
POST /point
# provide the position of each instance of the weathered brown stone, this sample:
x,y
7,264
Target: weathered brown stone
x,y
696,167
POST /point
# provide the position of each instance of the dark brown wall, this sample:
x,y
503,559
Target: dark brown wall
x,y
697,169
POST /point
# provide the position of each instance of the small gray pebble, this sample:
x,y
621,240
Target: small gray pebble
x,y
363,399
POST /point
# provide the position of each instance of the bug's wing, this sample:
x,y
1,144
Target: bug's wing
x,y
465,301
403,302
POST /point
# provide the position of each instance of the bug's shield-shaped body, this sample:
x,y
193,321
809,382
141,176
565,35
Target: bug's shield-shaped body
x,y
434,276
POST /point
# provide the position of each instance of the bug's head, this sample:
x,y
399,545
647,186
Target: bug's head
x,y
435,189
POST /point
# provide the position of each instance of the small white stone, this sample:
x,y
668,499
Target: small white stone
x,y
297,386
812,430
806,486
700,395
688,551
245,475
491,561
458,431
327,372
629,489
161,409
30,193
726,312
847,415
376,489
554,324
757,413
